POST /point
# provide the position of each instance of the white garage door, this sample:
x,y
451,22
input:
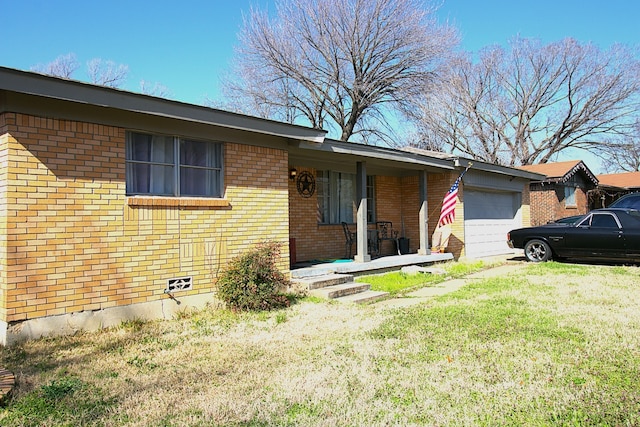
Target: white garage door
x,y
488,217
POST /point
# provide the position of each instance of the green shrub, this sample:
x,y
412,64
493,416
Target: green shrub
x,y
252,281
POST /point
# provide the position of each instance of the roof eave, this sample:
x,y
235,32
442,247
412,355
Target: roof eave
x,y
376,152
30,83
493,168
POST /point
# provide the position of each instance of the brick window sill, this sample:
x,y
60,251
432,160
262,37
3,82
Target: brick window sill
x,y
186,202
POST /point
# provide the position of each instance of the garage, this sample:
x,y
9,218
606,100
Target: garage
x,y
488,217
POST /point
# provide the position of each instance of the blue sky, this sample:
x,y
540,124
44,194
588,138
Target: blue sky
x,y
187,45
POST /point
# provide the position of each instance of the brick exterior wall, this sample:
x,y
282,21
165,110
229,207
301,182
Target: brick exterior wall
x,y
313,241
4,173
72,240
397,200
548,203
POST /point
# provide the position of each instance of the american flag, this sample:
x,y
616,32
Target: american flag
x,y
448,211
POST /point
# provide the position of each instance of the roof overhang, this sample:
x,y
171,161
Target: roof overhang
x,y
579,167
54,88
340,155
462,162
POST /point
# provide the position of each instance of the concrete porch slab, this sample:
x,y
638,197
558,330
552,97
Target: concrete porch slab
x,y
374,266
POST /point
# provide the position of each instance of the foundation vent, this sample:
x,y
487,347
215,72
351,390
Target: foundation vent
x,y
178,284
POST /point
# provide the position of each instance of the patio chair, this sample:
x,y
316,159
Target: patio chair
x,y
350,238
386,232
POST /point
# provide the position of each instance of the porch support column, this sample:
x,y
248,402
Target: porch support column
x,y
361,201
423,215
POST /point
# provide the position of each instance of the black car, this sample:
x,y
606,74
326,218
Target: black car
x,y
606,234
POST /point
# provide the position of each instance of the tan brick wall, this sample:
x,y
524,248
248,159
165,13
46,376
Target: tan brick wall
x,y
393,205
313,241
548,204
75,243
4,169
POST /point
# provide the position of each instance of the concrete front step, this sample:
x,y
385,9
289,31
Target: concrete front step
x,y
322,281
363,297
336,291
338,287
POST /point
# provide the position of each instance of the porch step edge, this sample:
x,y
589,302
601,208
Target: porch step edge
x,y
317,282
363,297
337,291
303,273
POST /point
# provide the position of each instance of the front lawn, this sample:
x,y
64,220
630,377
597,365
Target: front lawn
x,y
558,344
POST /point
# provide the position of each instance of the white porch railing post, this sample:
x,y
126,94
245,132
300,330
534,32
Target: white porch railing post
x,y
423,216
362,254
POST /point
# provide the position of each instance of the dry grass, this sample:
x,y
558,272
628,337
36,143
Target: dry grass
x,y
556,345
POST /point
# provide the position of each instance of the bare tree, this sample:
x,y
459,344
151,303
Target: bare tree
x,y
154,89
624,153
63,66
525,105
106,73
340,65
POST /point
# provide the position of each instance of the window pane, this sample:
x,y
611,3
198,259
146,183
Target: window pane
x,y
150,148
149,179
322,182
162,180
605,221
346,192
200,182
336,192
371,200
150,164
200,168
197,153
569,196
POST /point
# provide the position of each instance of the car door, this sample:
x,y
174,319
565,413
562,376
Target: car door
x,y
599,235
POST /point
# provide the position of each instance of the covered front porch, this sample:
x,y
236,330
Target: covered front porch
x,y
339,189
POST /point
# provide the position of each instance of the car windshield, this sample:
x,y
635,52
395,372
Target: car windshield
x,y
631,201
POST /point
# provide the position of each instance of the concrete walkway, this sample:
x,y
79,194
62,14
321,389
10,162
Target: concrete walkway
x,y
424,294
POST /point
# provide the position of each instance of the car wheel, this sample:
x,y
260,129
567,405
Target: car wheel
x,y
537,251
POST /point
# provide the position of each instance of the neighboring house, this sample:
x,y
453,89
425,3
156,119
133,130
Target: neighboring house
x,y
120,206
564,192
615,185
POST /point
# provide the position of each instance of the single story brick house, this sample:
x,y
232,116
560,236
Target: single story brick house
x,y
612,186
119,206
563,192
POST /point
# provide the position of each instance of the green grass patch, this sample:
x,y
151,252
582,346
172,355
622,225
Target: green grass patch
x,y
66,401
398,283
499,335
